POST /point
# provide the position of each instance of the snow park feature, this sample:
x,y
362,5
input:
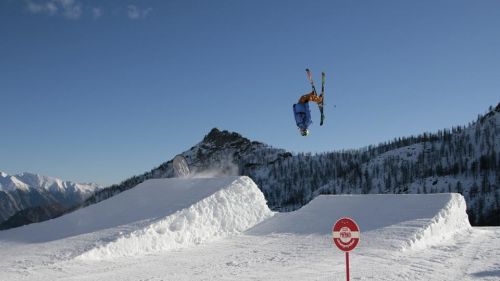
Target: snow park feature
x,y
400,222
222,229
231,206
181,212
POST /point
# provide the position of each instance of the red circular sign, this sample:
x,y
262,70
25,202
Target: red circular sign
x,y
346,234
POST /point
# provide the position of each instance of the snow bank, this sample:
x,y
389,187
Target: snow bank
x,y
387,221
451,220
233,208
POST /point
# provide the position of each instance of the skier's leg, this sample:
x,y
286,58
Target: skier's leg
x,y
316,98
307,98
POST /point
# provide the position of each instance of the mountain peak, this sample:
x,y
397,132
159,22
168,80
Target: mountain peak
x,y
222,138
26,181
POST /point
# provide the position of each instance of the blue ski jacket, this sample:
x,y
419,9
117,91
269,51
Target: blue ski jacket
x,y
302,115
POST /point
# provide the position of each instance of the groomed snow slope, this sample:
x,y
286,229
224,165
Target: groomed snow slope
x,y
156,215
396,221
130,237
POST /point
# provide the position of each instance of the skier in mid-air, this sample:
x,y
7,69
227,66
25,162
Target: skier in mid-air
x,y
301,109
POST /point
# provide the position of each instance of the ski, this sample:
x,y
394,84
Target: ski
x,y
309,76
320,105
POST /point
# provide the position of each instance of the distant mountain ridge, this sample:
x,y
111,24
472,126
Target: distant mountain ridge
x,y
25,181
28,197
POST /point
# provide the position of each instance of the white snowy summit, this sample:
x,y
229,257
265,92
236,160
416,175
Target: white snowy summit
x,y
11,183
26,181
28,197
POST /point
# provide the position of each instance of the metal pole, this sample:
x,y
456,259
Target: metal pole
x,y
347,265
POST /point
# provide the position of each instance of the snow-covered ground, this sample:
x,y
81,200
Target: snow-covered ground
x,y
221,229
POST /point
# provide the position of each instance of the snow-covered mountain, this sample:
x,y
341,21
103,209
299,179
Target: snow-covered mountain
x,y
464,159
220,153
28,197
26,181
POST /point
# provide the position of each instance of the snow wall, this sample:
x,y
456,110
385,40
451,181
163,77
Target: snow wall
x,y
227,206
399,222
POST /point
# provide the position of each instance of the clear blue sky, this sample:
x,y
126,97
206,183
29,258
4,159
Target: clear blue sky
x,y
103,90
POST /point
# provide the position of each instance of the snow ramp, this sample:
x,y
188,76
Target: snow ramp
x,y
400,222
201,211
156,215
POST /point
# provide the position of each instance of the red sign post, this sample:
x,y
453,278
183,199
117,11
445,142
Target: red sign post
x,y
346,238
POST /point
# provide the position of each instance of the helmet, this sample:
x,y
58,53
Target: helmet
x,y
304,132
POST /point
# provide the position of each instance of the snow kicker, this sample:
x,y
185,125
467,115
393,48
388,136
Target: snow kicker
x,y
236,205
398,222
